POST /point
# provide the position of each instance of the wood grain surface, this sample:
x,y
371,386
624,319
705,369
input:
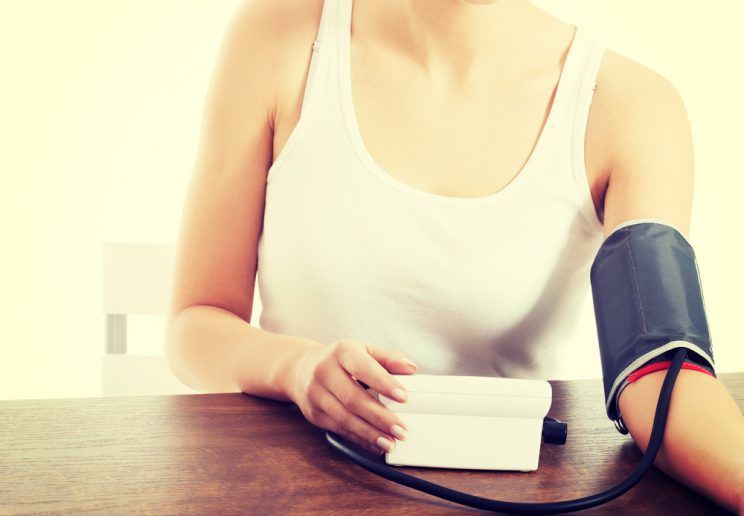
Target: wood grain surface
x,y
238,454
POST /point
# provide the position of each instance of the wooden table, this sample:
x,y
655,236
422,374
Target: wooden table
x,y
234,453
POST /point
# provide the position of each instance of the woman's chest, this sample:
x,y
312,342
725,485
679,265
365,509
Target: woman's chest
x,y
364,248
461,145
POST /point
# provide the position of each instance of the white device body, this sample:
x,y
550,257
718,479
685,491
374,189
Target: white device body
x,y
470,422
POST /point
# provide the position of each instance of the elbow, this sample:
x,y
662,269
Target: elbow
x,y
173,350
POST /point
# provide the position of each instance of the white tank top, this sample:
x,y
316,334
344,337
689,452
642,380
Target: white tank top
x,y
487,286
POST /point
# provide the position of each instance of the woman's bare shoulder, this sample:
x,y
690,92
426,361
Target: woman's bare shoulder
x,y
286,30
626,78
279,21
629,94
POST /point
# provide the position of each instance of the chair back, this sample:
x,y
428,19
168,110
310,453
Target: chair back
x,y
136,281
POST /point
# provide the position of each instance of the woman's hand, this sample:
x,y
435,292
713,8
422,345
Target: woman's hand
x,y
325,390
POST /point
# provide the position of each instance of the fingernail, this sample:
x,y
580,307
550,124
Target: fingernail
x,y
399,432
385,444
400,394
407,361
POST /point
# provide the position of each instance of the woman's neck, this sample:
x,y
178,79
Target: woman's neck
x,y
459,36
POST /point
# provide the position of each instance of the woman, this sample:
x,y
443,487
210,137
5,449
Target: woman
x,y
446,212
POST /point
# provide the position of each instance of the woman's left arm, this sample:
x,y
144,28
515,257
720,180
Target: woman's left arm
x,y
703,444
651,175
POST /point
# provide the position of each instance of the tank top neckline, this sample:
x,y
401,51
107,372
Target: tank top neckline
x,y
528,169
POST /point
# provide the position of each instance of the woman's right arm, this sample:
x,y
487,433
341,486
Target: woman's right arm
x,y
210,344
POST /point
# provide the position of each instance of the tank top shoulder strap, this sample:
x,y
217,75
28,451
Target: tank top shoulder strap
x,y
582,77
579,70
588,64
558,157
592,57
323,52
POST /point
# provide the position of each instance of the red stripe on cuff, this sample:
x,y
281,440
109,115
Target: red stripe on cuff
x,y
658,366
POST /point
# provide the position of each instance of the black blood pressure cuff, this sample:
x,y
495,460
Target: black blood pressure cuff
x,y
648,301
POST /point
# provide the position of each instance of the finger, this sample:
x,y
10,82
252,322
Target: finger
x,y
327,422
356,361
393,360
329,404
362,384
363,404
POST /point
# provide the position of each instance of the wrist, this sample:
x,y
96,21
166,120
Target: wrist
x,y
289,376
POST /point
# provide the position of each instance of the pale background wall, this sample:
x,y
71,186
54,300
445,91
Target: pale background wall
x,y
100,108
